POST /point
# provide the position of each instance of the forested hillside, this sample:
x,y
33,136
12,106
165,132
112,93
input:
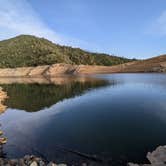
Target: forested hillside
x,y
27,50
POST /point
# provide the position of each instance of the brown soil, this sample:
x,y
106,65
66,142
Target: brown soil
x,y
156,64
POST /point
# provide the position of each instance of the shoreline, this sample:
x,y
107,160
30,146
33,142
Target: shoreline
x,y
59,69
152,65
156,158
3,97
28,160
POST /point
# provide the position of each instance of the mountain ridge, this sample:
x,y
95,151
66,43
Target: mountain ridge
x,y
28,50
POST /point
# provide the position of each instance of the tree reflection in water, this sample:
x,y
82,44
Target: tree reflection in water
x,y
33,97
3,140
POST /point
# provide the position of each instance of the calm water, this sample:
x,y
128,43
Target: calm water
x,y
118,117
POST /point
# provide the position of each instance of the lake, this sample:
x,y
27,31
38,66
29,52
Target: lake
x,y
115,117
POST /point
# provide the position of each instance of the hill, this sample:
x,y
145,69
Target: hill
x,y
27,50
155,64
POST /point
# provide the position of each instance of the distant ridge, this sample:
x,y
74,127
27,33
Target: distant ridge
x,y
27,50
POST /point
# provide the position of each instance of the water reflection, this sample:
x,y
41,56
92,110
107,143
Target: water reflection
x,y
58,80
122,122
34,94
3,107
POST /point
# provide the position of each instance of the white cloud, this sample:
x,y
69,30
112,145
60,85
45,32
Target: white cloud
x,y
18,17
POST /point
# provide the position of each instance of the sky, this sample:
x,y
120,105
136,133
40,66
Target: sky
x,y
128,28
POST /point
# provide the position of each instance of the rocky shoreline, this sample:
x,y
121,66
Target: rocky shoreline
x,y
156,158
28,160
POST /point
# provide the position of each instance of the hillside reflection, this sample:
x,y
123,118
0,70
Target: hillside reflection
x,y
34,94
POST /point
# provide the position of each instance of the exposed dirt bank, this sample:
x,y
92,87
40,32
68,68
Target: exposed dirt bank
x,y
157,64
54,70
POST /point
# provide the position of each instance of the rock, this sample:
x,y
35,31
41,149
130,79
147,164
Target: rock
x,y
158,156
3,140
34,163
26,157
37,159
52,164
84,164
21,162
13,162
1,162
28,160
41,163
131,164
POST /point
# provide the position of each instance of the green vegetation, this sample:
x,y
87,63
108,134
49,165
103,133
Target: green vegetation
x,y
26,50
34,97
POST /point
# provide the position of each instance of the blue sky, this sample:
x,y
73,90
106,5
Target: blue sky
x,y
134,29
